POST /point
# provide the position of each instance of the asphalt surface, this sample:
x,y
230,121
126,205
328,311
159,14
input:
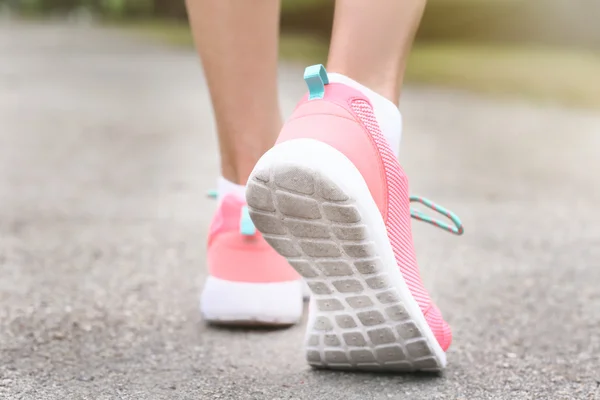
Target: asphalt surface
x,y
106,151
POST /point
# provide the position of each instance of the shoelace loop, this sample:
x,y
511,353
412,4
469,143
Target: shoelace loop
x,y
247,227
457,229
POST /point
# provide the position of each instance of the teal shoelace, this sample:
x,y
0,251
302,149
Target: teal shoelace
x,y
247,227
457,229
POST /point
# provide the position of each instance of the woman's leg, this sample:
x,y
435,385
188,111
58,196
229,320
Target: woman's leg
x,y
342,208
369,51
237,43
248,282
371,42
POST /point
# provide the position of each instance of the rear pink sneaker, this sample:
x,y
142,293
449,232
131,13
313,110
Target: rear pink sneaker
x,y
248,283
332,198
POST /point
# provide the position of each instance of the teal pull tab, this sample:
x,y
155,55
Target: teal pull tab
x,y
247,227
316,78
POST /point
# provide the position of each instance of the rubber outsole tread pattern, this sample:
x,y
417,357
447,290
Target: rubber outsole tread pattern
x,y
360,322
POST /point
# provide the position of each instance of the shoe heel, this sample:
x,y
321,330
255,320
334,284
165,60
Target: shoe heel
x,y
313,207
225,302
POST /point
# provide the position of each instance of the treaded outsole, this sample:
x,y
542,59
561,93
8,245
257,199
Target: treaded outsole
x,y
359,321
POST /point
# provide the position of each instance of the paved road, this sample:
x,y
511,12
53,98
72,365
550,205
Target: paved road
x,y
106,151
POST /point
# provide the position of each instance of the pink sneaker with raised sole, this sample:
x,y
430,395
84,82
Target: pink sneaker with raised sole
x,y
248,283
332,198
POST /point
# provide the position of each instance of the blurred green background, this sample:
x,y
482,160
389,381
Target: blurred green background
x,y
546,50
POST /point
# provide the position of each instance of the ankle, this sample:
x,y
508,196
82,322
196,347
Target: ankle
x,y
385,85
238,163
242,146
226,187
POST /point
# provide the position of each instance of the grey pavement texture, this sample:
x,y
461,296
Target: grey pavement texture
x,y
107,148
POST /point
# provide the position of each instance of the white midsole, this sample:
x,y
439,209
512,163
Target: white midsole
x,y
279,302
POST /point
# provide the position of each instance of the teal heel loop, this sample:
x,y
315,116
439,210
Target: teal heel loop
x,y
316,78
247,227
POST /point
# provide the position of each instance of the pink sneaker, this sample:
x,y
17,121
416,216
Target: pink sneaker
x,y
332,198
248,282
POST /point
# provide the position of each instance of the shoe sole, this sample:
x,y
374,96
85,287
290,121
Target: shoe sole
x,y
231,303
313,206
